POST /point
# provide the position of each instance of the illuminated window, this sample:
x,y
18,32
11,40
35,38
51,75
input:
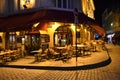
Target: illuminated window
x,y
27,2
62,36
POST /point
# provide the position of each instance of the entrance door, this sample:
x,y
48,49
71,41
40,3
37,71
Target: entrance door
x,y
63,36
32,42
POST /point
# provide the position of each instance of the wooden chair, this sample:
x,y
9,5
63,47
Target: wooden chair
x,y
7,57
55,54
38,55
44,55
70,51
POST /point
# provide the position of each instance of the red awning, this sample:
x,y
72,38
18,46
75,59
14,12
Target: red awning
x,y
25,21
42,26
99,30
33,33
16,22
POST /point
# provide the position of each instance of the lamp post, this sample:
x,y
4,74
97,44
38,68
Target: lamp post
x,y
76,24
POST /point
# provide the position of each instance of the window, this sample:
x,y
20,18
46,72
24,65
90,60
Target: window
x,y
12,40
27,2
62,36
63,3
59,3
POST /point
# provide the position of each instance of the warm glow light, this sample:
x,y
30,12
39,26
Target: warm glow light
x,y
73,26
27,3
36,24
88,8
1,33
78,29
17,33
23,40
85,30
111,24
55,25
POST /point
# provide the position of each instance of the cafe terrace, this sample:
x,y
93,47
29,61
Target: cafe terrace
x,y
48,36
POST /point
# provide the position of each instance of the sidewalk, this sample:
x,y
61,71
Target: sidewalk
x,y
96,59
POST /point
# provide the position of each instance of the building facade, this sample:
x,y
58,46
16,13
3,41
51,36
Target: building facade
x,y
45,23
111,22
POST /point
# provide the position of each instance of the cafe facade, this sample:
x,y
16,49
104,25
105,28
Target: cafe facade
x,y
33,28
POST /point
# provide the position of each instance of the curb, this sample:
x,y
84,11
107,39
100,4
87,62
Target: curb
x,y
83,67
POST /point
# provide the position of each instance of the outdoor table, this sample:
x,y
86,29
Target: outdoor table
x,y
94,44
4,54
36,54
35,51
60,49
80,48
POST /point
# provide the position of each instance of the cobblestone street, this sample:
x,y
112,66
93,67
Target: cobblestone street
x,y
109,72
103,73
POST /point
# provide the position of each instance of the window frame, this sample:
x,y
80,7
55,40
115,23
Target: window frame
x,y
61,4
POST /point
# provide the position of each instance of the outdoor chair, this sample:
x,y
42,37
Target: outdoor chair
x,y
18,53
70,51
7,57
102,45
88,49
76,52
38,55
14,55
44,54
55,54
64,54
93,45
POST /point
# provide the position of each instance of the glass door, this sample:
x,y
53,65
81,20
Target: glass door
x,y
32,42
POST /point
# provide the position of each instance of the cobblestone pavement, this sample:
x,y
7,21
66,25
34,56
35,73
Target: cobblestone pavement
x,y
109,72
103,73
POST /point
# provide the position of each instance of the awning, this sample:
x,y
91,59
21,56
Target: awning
x,y
16,22
25,21
33,33
99,30
43,26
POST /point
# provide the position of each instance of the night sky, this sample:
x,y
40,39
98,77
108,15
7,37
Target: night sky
x,y
101,5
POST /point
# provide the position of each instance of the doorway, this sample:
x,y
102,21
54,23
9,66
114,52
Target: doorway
x,y
63,36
